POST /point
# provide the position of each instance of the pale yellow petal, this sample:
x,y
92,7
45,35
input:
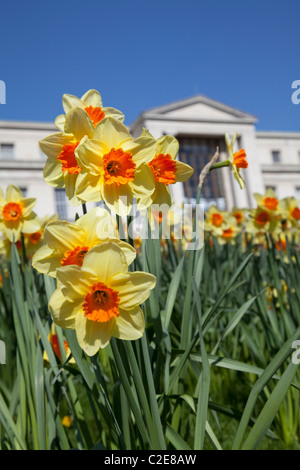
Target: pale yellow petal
x,y
133,288
62,236
90,155
28,204
92,336
74,282
118,198
143,185
115,113
129,325
105,261
88,187
53,174
64,312
183,171
13,193
92,98
111,132
31,223
70,101
79,124
167,144
60,122
162,196
46,261
53,144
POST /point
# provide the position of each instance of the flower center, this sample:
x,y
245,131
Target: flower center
x,y
296,213
35,237
270,203
262,218
75,256
163,168
217,219
238,217
12,211
239,159
101,303
119,167
227,233
68,159
95,114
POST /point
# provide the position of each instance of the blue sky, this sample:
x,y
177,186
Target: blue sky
x,y
142,54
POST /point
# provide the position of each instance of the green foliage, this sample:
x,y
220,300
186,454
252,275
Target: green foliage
x,y
213,370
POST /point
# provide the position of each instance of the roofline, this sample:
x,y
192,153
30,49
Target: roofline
x,y
277,135
27,125
158,111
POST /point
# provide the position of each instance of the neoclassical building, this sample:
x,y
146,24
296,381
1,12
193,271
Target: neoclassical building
x,y
199,123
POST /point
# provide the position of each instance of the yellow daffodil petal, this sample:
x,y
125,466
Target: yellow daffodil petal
x,y
52,174
60,122
53,144
114,113
183,171
28,204
70,101
90,153
88,187
74,282
105,260
92,335
133,288
64,312
112,132
92,98
143,185
31,224
13,193
118,198
62,236
129,325
168,145
79,124
161,195
44,261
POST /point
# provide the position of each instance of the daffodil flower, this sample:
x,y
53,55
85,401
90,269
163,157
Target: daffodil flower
x,y
268,200
91,103
236,160
16,214
165,168
114,167
101,298
62,169
67,244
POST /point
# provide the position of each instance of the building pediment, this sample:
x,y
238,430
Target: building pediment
x,y
198,108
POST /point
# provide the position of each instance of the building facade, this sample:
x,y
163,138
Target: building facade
x,y
199,124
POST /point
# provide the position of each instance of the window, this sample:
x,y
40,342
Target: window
x,y
297,191
196,152
276,156
61,203
7,151
24,190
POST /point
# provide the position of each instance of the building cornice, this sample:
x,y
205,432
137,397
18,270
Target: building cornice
x,y
28,126
277,135
21,165
283,168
